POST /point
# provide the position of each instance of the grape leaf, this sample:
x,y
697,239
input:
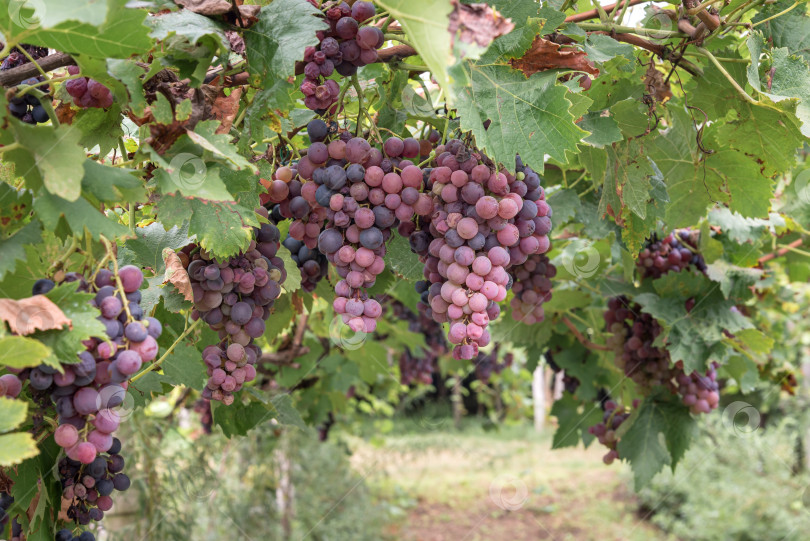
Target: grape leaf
x,y
293,281
112,184
78,215
529,116
790,30
22,352
238,418
768,134
277,41
16,447
122,35
12,413
565,204
219,144
604,129
402,260
184,367
574,419
99,127
426,23
601,48
50,13
50,156
197,29
627,180
641,445
129,74
712,92
222,228
12,247
286,413
146,250
736,227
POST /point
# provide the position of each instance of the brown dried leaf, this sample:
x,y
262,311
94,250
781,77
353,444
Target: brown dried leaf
x,y
545,55
657,87
225,109
206,7
249,14
477,23
176,274
65,113
38,313
236,41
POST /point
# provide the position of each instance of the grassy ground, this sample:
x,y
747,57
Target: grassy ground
x,y
476,484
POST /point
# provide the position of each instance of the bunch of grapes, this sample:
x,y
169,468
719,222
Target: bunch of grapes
x,y
88,488
67,535
532,287
605,431
86,392
6,501
700,393
28,107
363,203
632,336
413,368
344,47
484,221
88,92
203,407
234,297
677,252
16,58
488,363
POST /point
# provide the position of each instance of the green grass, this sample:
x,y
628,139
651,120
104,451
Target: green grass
x,y
479,483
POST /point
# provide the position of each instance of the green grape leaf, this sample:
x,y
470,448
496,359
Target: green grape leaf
x,y
402,260
574,419
632,117
122,35
426,23
239,418
286,413
529,116
604,129
790,29
129,73
99,127
642,445
79,215
219,144
601,48
12,247
22,352
146,250
16,447
744,371
184,367
49,13
112,184
713,93
771,136
197,29
222,228
565,204
49,156
739,229
277,41
627,180
12,413
293,281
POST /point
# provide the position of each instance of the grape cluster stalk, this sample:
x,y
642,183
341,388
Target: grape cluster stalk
x,y
234,296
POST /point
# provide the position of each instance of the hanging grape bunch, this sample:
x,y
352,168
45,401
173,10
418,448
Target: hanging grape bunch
x,y
85,393
28,107
532,287
366,194
605,431
488,363
16,58
484,221
419,368
345,46
676,252
235,297
87,93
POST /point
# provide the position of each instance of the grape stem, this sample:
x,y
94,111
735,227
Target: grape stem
x,y
13,146
783,250
396,37
155,365
74,245
585,342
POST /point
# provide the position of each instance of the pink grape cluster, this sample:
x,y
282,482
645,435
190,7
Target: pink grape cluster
x,y
88,92
532,288
484,221
345,46
700,392
363,203
632,336
234,297
676,252
605,431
